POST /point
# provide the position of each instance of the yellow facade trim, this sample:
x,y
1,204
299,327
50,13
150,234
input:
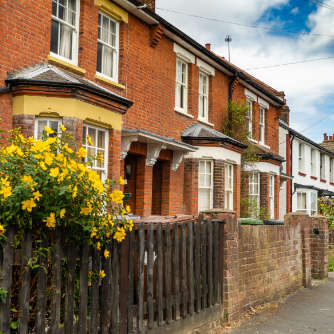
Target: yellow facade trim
x,y
108,81
112,10
66,107
63,63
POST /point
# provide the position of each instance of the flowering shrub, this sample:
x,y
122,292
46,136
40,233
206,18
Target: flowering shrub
x,y
326,208
45,184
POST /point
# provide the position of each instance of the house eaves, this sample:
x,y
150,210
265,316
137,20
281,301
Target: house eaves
x,y
136,8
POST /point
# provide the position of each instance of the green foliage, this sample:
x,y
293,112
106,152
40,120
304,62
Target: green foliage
x,y
251,221
249,209
3,295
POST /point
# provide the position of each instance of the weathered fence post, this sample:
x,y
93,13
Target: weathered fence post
x,y
124,285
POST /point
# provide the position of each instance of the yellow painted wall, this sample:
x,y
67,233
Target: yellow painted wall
x,y
65,107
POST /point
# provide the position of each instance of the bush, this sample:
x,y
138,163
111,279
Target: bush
x,y
46,184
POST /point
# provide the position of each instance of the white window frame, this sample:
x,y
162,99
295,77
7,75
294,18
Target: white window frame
x,y
204,94
313,162
331,163
229,187
254,179
75,35
272,196
48,120
183,85
301,157
249,117
301,209
114,48
205,187
322,166
313,209
85,144
262,124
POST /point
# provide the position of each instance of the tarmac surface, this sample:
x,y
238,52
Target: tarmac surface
x,y
308,311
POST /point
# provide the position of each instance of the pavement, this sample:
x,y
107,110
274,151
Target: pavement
x,y
307,311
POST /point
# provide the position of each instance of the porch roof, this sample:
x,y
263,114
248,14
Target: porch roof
x,y
144,136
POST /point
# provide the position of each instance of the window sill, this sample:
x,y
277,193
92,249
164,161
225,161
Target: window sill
x,y
301,174
264,145
331,183
253,140
183,113
323,181
205,122
109,81
69,66
314,178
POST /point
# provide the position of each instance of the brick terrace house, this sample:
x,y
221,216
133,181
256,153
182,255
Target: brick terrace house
x,y
152,99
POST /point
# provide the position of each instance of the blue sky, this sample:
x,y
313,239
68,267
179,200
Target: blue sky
x,y
309,86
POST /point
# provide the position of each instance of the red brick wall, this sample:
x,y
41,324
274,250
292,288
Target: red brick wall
x,y
218,184
191,186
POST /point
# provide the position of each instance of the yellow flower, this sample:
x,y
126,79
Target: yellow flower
x,y
51,220
37,195
62,213
128,209
2,229
81,153
42,164
119,234
121,181
6,191
62,128
54,172
48,157
106,253
98,246
86,211
28,179
75,191
28,205
48,130
93,233
117,196
89,139
102,274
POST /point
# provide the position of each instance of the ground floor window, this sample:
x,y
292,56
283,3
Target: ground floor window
x,y
272,196
205,185
302,202
41,123
254,194
314,206
95,141
228,187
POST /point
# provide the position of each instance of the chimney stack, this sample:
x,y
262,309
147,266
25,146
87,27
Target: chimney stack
x,y
328,142
325,137
208,46
150,4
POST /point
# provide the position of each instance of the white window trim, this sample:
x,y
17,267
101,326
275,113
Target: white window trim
x,y
75,45
331,169
262,126
204,67
258,194
323,174
48,119
305,210
184,54
229,190
206,111
177,108
272,196
106,150
301,157
250,118
316,204
314,163
116,65
210,188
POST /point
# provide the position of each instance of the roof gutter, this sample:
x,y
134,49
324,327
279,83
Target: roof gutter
x,y
216,139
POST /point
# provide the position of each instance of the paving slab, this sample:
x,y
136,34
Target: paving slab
x,y
308,311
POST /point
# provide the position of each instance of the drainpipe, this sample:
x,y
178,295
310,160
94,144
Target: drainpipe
x,y
291,161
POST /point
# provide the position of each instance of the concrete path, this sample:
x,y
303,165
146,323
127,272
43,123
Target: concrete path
x,y
308,311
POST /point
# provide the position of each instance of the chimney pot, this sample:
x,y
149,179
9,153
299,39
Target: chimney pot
x,y
325,136
330,138
208,46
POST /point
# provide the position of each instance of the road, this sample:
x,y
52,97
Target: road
x,y
308,311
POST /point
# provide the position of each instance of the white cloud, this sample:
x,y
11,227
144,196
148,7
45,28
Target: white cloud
x,y
305,85
295,10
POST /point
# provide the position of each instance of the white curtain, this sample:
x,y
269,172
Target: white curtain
x,y
107,61
65,49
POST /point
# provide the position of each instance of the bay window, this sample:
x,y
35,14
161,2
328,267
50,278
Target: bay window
x,y
181,94
205,185
228,187
254,194
332,170
42,122
314,203
107,47
272,196
64,30
95,141
302,202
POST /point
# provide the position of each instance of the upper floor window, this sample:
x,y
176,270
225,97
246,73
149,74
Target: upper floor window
x,y
254,194
313,162
205,185
95,141
262,124
107,47
203,112
229,187
272,196
249,117
301,157
64,29
322,166
181,96
332,170
41,123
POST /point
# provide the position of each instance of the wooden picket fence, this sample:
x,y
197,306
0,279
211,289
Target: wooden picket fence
x,y
160,274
